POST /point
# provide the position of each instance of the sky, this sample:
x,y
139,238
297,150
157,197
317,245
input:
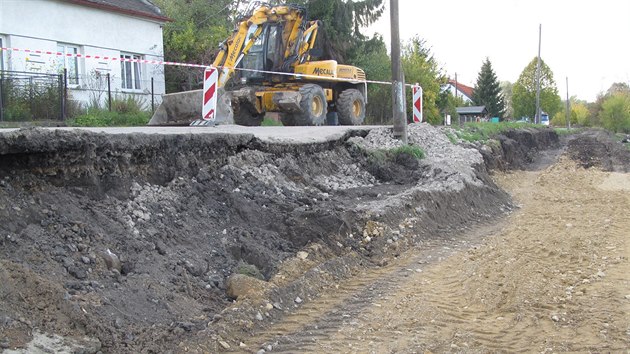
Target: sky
x,y
586,41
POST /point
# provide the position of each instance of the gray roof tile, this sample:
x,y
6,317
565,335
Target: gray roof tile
x,y
141,8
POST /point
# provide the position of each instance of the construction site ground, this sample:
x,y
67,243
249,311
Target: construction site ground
x,y
128,243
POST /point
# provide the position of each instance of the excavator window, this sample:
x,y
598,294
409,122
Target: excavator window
x,y
254,59
265,54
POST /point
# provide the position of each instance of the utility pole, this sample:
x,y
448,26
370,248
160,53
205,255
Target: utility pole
x,y
568,107
537,116
398,84
459,121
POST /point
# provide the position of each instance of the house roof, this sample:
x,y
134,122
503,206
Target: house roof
x,y
472,110
139,8
466,90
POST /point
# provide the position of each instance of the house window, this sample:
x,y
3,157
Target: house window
x,y
130,72
70,63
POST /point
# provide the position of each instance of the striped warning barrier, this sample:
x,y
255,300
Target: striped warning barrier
x,y
209,104
417,103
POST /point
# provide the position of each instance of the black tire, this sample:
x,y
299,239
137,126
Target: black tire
x,y
351,107
313,107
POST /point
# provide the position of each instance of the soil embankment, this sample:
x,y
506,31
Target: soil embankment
x,y
126,243
552,277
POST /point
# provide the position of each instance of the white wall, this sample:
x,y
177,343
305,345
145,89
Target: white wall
x,y
41,24
451,89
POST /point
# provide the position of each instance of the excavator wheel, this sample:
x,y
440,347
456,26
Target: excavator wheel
x,y
351,107
313,107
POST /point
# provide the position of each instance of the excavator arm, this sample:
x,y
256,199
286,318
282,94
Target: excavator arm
x,y
298,39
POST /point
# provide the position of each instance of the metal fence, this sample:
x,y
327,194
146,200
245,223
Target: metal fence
x,y
98,90
27,96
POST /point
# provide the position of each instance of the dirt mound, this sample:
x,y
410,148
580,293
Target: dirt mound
x,y
517,149
130,239
600,148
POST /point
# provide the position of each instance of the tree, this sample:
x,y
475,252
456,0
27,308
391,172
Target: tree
x,y
618,87
193,36
488,92
447,103
377,65
421,67
595,108
580,114
343,21
615,113
524,92
506,91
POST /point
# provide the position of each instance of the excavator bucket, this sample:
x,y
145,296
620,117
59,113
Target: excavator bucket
x,y
183,108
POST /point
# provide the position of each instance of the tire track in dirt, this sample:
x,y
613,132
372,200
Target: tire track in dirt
x,y
307,328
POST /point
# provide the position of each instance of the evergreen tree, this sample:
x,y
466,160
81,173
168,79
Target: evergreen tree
x,y
488,91
343,21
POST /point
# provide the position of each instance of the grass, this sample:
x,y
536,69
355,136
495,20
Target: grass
x,y
412,150
381,155
451,137
472,132
268,122
104,118
565,131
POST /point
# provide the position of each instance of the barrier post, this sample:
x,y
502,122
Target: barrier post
x,y
109,92
152,97
417,103
209,103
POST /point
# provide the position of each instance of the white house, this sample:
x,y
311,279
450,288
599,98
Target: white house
x,y
129,29
459,89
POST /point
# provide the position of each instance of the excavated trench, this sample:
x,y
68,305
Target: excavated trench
x,y
127,242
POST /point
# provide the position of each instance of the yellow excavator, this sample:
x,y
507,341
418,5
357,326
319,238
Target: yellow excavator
x,y
268,65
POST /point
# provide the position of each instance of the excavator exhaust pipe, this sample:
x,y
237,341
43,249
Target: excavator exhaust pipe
x,y
184,107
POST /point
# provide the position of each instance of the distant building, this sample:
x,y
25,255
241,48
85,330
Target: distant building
x,y
122,29
472,114
463,91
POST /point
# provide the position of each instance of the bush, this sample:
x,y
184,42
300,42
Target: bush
x,y
128,104
105,118
615,114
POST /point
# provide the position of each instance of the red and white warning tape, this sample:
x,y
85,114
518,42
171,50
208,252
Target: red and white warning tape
x,y
211,76
102,57
160,62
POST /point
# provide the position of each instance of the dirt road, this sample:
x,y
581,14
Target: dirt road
x,y
552,277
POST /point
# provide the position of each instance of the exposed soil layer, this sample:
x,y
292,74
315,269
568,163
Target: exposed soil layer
x,y
517,149
600,148
126,243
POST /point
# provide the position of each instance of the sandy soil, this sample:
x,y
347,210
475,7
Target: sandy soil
x,y
553,277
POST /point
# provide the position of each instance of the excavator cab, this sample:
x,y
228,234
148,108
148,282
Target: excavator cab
x,y
263,56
